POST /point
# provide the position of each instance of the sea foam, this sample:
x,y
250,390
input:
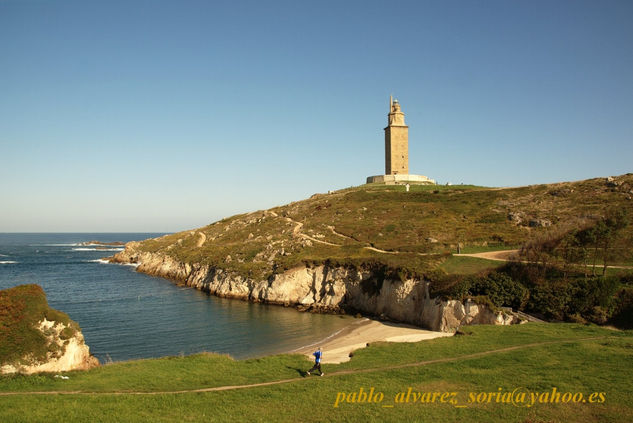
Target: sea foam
x,y
102,261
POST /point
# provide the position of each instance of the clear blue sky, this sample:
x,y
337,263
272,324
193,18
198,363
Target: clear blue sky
x,y
168,115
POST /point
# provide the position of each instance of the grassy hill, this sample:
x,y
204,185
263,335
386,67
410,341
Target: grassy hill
x,y
561,228
345,225
590,368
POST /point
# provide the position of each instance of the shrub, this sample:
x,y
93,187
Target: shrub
x,y
623,311
500,288
548,299
445,286
585,294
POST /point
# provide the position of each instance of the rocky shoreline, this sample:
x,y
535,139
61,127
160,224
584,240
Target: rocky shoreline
x,y
325,289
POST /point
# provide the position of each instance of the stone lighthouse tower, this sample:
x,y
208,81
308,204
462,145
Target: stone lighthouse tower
x,y
397,152
396,141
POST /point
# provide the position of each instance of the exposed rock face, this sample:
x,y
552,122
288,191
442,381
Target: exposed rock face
x,y
516,217
536,223
611,182
323,288
75,356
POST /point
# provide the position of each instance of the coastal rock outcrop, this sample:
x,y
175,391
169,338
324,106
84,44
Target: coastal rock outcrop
x,y
75,355
323,288
35,338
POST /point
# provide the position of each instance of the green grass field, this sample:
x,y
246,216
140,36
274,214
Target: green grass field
x,y
468,265
472,373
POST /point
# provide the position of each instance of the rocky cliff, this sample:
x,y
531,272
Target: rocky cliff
x,y
323,288
35,338
75,354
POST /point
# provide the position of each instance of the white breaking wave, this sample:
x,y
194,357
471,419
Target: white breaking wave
x,y
8,262
98,249
102,261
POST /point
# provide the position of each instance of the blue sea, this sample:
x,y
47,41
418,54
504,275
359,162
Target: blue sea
x,y
127,315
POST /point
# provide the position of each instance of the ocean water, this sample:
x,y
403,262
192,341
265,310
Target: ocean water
x,y
127,315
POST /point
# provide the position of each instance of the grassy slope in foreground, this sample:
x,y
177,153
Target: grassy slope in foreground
x,y
21,310
583,365
343,227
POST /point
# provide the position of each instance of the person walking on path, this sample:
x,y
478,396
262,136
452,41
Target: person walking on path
x,y
317,362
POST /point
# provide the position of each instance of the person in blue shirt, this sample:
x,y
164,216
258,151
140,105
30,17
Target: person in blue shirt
x,y
318,355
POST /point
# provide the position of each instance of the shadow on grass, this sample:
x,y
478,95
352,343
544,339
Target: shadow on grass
x,y
301,372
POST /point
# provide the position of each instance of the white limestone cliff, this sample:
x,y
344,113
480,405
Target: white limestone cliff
x,y
324,288
75,353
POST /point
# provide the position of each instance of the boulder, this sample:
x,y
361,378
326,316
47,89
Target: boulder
x,y
537,223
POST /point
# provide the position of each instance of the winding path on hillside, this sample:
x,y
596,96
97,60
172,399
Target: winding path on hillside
x,y
511,255
333,374
335,232
297,232
503,255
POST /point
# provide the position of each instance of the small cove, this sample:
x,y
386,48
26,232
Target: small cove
x,y
127,315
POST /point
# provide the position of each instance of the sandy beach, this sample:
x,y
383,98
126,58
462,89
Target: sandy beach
x,y
337,347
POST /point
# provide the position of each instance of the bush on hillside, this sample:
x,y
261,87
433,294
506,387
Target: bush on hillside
x,y
623,308
501,289
578,298
586,294
548,299
444,286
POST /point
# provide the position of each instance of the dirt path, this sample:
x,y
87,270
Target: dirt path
x,y
378,250
508,255
335,232
298,379
297,231
318,240
504,255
